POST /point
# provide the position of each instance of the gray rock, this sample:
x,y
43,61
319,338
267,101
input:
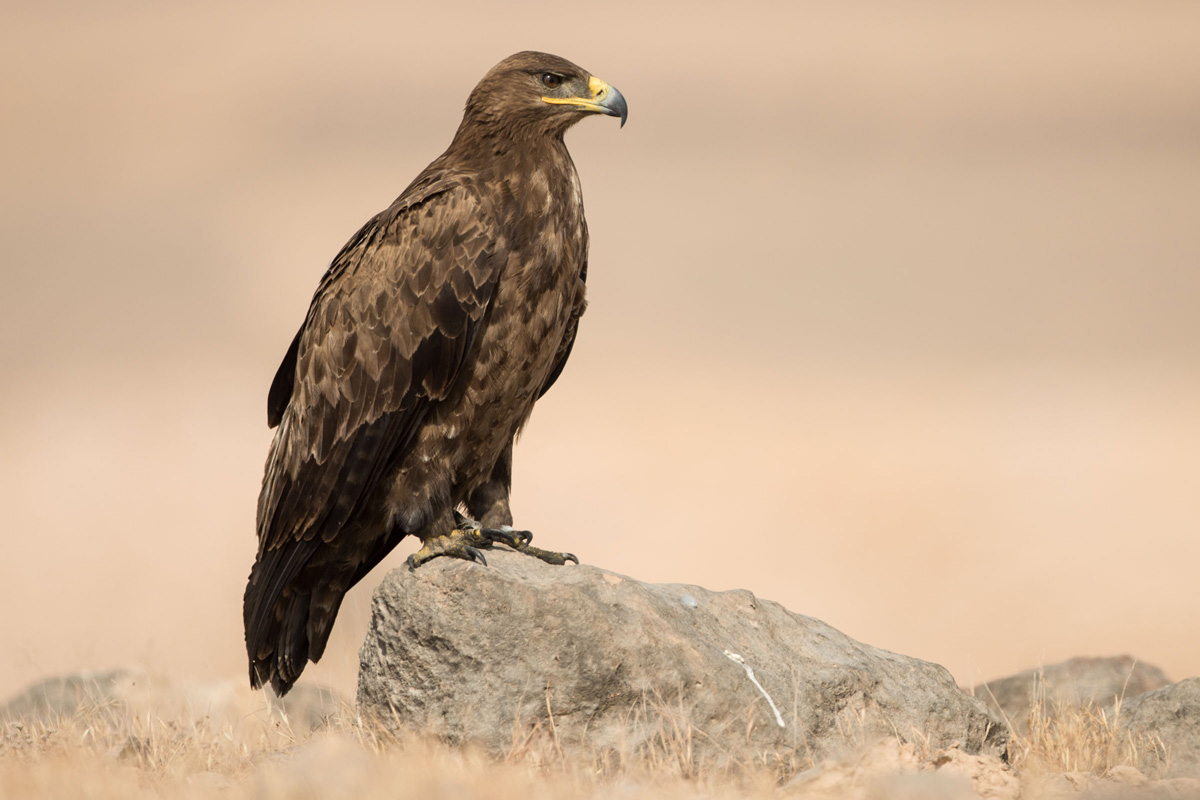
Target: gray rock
x,y
117,694
93,691
602,663
1172,714
1076,681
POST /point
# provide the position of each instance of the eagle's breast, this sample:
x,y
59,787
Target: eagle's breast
x,y
540,286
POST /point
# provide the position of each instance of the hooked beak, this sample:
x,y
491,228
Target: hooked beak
x,y
605,99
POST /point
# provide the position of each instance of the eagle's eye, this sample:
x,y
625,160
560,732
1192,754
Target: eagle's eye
x,y
551,81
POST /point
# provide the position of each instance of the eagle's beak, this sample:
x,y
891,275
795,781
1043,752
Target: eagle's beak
x,y
608,100
605,99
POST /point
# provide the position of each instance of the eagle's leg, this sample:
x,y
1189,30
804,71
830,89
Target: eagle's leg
x,y
489,504
457,543
507,535
504,534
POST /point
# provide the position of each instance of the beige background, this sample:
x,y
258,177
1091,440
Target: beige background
x,y
893,310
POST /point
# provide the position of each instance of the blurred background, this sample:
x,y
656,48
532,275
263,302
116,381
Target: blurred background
x,y
894,310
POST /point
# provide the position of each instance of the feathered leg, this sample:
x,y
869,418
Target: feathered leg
x,y
489,505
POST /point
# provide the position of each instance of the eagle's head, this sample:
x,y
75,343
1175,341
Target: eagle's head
x,y
538,93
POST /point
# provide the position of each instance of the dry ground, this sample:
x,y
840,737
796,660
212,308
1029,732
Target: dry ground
x,y
105,751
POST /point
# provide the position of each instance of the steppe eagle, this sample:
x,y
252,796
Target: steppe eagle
x,y
428,341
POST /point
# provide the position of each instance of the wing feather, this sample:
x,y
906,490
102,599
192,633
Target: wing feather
x,y
385,338
568,341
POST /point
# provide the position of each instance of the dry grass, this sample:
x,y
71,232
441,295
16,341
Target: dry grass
x,y
106,751
663,742
98,753
1060,737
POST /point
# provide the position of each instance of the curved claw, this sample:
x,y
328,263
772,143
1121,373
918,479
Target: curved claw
x,y
451,546
570,557
517,540
525,536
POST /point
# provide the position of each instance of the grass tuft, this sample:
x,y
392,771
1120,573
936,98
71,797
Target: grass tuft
x,y
1060,736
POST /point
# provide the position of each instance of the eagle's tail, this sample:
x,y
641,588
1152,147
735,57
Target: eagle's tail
x,y
287,622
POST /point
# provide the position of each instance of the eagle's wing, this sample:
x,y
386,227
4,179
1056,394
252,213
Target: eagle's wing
x,y
568,341
385,337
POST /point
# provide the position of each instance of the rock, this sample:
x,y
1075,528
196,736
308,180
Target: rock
x,y
67,695
1172,714
1077,681
117,694
598,663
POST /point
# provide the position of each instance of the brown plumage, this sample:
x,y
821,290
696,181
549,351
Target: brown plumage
x,y
428,340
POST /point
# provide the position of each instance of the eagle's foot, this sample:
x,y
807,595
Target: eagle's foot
x,y
505,534
456,544
549,556
517,540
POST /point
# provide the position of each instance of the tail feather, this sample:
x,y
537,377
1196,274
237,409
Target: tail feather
x,y
292,600
322,611
287,624
291,653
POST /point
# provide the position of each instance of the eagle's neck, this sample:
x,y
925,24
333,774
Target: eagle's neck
x,y
528,169
510,143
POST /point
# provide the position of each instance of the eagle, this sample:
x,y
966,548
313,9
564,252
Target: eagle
x,y
428,341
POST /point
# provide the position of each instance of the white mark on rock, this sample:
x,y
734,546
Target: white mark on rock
x,y
689,602
735,658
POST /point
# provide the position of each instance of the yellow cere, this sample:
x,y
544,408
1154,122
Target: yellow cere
x,y
598,88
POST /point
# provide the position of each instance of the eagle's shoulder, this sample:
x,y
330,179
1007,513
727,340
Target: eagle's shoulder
x,y
397,245
386,336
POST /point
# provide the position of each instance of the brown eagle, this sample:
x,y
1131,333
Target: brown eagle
x,y
429,339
